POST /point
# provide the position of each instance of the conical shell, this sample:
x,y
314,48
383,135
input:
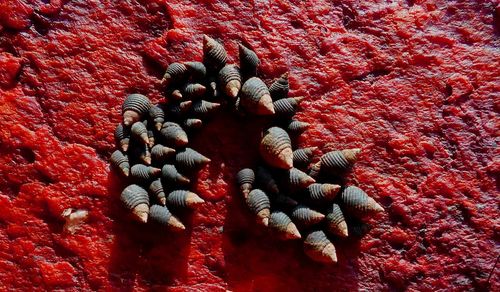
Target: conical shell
x,y
248,61
245,179
134,108
203,108
296,179
160,153
287,106
122,137
230,80
163,216
356,201
171,177
192,124
144,174
338,160
120,161
279,88
183,199
322,192
306,216
136,199
214,54
259,204
303,156
296,127
255,97
276,148
156,190
173,134
190,159
197,70
157,117
265,180
336,224
176,73
319,248
193,90
139,132
281,223
177,110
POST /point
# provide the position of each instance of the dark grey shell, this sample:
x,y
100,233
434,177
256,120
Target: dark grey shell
x,y
251,92
229,73
157,115
178,109
171,177
296,179
303,156
160,153
337,160
319,247
120,161
138,129
322,192
266,181
214,54
245,179
142,173
197,70
335,219
257,201
178,198
192,90
190,159
273,143
357,201
160,214
286,106
203,108
296,127
305,216
279,220
177,72
249,61
134,195
156,189
173,134
192,123
122,136
280,87
137,103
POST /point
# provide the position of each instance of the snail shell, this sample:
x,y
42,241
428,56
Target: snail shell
x,y
136,199
174,134
336,222
296,127
355,200
287,106
176,73
322,192
157,116
306,216
319,248
245,179
192,123
163,216
120,161
204,108
156,189
296,179
160,153
338,160
190,159
276,148
139,132
193,90
303,156
280,222
170,176
197,70
183,198
134,108
214,54
265,180
255,97
230,79
279,88
259,204
178,109
122,137
248,61
144,174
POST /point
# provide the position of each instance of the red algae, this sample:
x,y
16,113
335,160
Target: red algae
x,y
413,83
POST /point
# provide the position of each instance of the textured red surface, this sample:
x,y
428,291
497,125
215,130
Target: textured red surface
x,y
413,83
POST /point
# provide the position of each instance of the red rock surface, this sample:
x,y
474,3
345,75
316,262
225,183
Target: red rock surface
x,y
415,84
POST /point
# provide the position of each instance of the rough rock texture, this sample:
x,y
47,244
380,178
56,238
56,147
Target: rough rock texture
x,y
415,84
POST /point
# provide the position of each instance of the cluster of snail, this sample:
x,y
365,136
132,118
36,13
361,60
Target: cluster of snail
x,y
153,153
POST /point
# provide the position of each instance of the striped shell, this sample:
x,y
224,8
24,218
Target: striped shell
x,y
156,189
134,108
204,108
306,216
297,179
122,137
192,124
144,174
338,160
157,116
183,198
248,61
276,148
160,153
281,223
303,156
336,222
171,177
245,179
296,127
319,248
193,90
136,199
287,106
197,70
259,204
178,109
190,159
230,80
139,132
176,73
322,192
163,216
173,134
214,54
120,161
355,200
265,180
255,97
279,88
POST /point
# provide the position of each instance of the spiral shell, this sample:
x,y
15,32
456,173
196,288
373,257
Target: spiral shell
x,y
303,156
266,181
134,108
122,137
197,70
193,90
296,179
335,221
356,201
157,116
136,199
248,61
279,88
171,177
230,80
192,124
214,54
163,216
245,179
296,127
120,161
338,161
139,132
203,108
287,106
173,134
322,192
183,198
176,73
306,216
190,159
281,223
144,174
156,189
259,204
319,248
160,153
276,148
255,97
